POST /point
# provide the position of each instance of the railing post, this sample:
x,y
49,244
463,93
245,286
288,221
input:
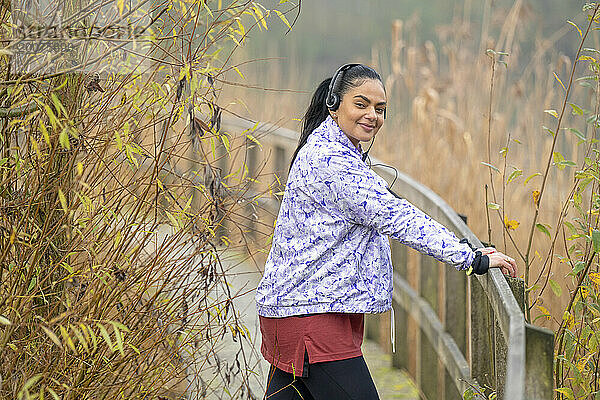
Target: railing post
x,y
539,352
428,371
482,349
539,356
400,357
455,319
517,287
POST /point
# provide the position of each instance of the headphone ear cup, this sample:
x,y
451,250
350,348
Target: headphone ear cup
x,y
333,102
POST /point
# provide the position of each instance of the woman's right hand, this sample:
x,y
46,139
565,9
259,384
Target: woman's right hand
x,y
499,260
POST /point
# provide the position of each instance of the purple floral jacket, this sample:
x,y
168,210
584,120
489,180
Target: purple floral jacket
x,y
330,249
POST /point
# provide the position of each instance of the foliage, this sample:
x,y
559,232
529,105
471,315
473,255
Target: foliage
x,y
113,209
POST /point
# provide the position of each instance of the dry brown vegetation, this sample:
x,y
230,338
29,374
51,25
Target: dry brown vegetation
x,y
118,222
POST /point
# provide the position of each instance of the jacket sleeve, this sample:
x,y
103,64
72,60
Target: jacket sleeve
x,y
354,191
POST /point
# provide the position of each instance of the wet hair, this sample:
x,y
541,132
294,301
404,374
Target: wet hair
x,y
317,111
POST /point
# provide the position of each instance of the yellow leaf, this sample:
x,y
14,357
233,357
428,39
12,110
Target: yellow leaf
x,y
67,338
36,147
120,4
584,292
118,140
106,336
595,277
45,133
52,336
79,168
544,311
63,201
80,337
511,224
119,337
559,81
536,197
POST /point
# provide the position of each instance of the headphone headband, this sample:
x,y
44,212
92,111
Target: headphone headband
x,y
333,99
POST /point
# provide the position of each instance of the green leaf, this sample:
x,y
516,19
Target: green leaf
x,y
53,393
118,140
575,109
534,287
567,392
576,27
542,228
255,140
31,382
550,131
58,105
67,338
596,240
514,175
173,220
552,112
530,177
80,338
105,335
493,206
63,201
468,394
52,336
577,133
63,138
119,338
555,287
93,336
4,320
283,18
491,166
566,163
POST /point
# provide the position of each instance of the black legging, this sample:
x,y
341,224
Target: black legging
x,y
332,380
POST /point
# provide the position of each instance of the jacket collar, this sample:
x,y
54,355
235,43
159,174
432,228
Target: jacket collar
x,y
330,131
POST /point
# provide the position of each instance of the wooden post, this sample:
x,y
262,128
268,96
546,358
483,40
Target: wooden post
x,y
455,319
517,287
456,307
501,350
400,357
428,372
539,348
482,349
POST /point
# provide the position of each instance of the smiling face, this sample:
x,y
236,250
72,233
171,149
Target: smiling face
x,y
360,114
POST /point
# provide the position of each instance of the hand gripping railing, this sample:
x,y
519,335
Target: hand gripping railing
x,y
442,317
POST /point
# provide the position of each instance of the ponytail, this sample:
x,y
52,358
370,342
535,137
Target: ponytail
x,y
316,113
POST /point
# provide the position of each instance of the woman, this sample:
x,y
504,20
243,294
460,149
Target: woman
x,y
330,258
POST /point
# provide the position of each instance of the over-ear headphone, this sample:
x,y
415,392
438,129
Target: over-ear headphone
x,y
333,99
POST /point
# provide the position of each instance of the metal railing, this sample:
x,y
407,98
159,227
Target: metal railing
x,y
453,332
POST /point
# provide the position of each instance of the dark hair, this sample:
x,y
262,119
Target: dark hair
x,y
317,111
